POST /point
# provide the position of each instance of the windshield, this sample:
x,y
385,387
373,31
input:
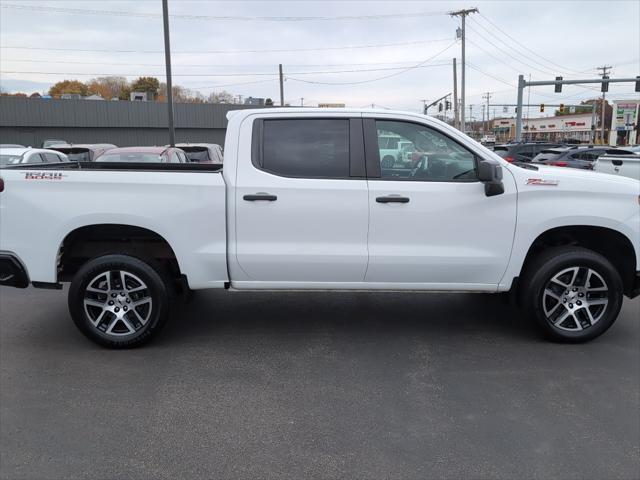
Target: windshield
x,y
51,143
502,151
197,154
131,157
10,159
78,155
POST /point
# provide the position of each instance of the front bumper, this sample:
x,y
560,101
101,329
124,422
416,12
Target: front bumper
x,y
12,273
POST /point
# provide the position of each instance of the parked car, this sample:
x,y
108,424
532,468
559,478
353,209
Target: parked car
x,y
390,149
632,148
51,142
573,157
85,152
11,145
624,163
143,155
303,203
202,152
521,152
14,157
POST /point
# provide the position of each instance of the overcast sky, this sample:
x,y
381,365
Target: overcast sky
x,y
538,38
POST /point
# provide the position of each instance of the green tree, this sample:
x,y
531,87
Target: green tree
x,y
146,84
68,86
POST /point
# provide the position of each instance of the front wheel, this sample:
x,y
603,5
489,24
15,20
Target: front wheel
x,y
118,301
574,294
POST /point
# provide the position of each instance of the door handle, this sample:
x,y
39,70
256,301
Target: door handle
x,y
392,199
260,196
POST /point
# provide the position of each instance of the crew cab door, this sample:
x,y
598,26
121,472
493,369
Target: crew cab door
x,y
431,224
301,202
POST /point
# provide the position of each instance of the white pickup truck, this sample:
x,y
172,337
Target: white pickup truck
x,y
619,162
303,203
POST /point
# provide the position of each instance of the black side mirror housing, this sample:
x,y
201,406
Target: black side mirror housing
x,y
490,173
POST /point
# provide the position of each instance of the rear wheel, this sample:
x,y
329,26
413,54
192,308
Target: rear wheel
x,y
574,294
119,301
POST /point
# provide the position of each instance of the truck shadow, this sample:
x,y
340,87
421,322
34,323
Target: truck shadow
x,y
352,313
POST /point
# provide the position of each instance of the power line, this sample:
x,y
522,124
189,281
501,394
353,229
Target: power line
x,y
205,65
501,80
200,52
545,68
102,13
239,74
522,45
379,78
508,54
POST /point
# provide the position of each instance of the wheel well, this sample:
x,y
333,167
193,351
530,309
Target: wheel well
x,y
92,241
612,245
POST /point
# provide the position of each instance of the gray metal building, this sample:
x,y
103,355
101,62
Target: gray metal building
x,y
30,121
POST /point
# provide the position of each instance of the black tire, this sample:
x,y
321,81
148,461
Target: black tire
x,y
540,282
98,302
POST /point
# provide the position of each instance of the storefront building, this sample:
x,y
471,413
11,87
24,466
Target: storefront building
x,y
575,127
624,123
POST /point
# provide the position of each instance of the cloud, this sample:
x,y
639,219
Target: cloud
x,y
556,38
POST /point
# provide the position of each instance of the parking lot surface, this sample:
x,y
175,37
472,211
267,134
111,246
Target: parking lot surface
x,y
318,385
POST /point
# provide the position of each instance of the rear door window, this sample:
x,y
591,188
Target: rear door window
x,y
306,148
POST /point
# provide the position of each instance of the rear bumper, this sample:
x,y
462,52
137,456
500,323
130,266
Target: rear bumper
x,y
12,273
635,288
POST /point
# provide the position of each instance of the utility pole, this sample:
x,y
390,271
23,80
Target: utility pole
x,y
167,60
281,86
593,120
463,15
605,74
455,96
483,124
488,97
470,117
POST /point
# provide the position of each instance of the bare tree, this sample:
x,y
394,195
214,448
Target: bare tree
x,y
221,97
109,87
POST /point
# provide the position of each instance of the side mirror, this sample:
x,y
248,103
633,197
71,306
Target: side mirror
x,y
490,173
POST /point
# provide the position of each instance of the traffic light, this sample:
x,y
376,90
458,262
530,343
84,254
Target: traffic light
x,y
541,107
447,105
562,108
605,85
440,107
558,86
638,86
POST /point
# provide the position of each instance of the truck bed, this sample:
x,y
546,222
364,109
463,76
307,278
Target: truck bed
x,y
42,205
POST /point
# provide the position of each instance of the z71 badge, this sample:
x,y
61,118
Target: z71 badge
x,y
542,182
43,176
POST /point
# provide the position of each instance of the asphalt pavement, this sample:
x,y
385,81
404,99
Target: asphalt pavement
x,y
317,385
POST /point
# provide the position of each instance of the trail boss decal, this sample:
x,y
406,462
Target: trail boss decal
x,y
542,182
44,176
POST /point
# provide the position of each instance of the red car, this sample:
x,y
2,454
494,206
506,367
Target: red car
x,y
144,155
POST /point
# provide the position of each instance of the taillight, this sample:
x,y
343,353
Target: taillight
x,y
1,185
509,158
559,164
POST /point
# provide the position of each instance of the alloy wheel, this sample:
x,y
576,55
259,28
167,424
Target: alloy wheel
x,y
575,299
117,302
